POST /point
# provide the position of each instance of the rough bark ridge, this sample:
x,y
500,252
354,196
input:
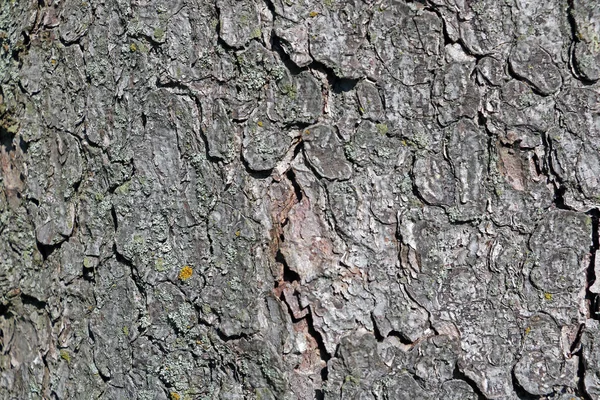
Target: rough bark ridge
x,y
298,199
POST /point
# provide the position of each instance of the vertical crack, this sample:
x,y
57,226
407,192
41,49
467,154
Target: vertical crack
x,y
458,374
581,377
286,289
591,297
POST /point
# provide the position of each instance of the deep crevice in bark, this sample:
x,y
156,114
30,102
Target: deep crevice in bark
x,y
393,333
458,374
291,279
520,391
574,41
47,249
32,301
511,72
592,298
581,377
278,46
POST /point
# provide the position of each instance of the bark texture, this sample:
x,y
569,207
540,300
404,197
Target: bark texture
x,y
299,199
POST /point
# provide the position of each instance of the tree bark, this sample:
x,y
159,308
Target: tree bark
x,y
299,199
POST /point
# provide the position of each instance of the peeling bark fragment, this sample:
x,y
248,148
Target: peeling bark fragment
x,y
371,147
400,37
434,180
454,91
324,152
264,142
477,31
239,21
307,249
293,39
542,365
357,366
76,18
336,34
220,132
468,153
532,63
457,390
586,28
370,101
295,98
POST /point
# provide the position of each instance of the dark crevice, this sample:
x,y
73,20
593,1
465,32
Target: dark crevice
x,y
448,40
32,301
511,72
288,275
279,46
271,8
6,139
154,44
481,120
325,356
224,45
47,249
571,20
401,337
581,377
170,84
559,198
4,311
458,374
297,189
104,378
551,176
296,125
292,279
520,391
592,298
376,332
576,345
229,338
574,41
338,84
255,173
113,213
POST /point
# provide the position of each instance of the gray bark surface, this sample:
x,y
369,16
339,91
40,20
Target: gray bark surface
x,y
299,199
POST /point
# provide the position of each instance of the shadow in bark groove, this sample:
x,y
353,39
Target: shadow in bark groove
x,y
592,298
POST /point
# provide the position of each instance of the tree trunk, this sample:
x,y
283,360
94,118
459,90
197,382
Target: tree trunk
x,y
299,199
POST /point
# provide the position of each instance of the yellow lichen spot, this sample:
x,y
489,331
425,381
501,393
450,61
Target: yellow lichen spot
x,y
238,233
126,331
307,132
132,47
313,14
186,273
65,356
382,129
527,330
548,296
175,396
53,61
260,123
